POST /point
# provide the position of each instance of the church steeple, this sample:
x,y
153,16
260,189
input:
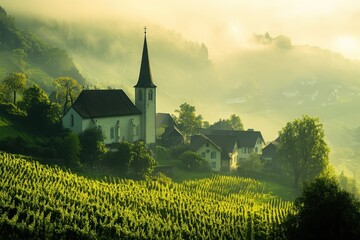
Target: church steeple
x,y
145,79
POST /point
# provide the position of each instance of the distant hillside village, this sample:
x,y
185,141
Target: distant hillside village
x,y
120,119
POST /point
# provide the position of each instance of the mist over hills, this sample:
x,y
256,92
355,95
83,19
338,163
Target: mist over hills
x,y
267,85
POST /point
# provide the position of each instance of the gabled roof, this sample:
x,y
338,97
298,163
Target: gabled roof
x,y
199,140
145,79
172,131
104,103
226,143
164,119
244,138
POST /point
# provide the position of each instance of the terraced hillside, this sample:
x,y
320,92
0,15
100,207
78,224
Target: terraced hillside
x,y
42,202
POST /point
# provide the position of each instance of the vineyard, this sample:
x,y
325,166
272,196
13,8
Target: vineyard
x,y
42,202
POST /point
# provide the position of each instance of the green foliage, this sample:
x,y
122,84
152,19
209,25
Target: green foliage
x,y
28,54
68,89
251,167
194,162
233,123
187,121
120,159
303,148
177,150
92,146
15,82
70,150
142,162
324,211
38,108
348,184
42,202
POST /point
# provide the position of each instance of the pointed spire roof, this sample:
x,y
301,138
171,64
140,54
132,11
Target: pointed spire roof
x,y
145,79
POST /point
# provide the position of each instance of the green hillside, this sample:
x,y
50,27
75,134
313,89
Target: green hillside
x,y
42,202
21,51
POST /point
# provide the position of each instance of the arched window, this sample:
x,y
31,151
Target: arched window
x,y
140,95
112,133
71,120
150,95
213,155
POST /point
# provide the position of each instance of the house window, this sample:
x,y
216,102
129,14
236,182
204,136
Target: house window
x,y
140,95
213,164
213,155
207,144
203,154
256,150
71,120
150,95
111,133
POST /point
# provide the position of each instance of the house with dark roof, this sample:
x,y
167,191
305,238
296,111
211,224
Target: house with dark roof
x,y
167,132
208,150
248,142
270,155
114,113
219,151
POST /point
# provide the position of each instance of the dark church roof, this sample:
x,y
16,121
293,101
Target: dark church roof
x,y
145,79
104,103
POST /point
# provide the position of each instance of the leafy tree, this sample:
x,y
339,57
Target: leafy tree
x,y
348,184
92,146
251,167
120,160
68,89
324,211
233,123
303,148
142,162
15,82
38,108
193,161
70,150
187,121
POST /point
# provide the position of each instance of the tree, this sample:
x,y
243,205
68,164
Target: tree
x,y
324,211
251,167
142,162
188,122
92,146
303,148
120,160
70,150
193,161
233,123
68,89
38,108
15,82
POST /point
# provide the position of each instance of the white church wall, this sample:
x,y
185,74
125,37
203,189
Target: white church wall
x,y
73,121
120,128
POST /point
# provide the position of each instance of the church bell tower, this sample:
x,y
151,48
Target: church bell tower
x,y
145,98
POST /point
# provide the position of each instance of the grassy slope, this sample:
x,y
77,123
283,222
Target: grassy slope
x,y
272,186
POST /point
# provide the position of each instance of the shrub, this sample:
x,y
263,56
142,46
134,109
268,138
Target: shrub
x,y
194,162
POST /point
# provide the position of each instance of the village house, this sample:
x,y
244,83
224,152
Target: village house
x,y
166,130
114,113
247,142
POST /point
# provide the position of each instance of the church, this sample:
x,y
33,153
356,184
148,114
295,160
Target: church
x,y
114,113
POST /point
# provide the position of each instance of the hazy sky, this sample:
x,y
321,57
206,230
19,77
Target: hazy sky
x,y
224,26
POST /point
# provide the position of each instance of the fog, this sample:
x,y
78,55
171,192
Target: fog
x,y
268,63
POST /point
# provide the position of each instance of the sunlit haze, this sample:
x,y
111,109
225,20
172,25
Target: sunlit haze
x,y
224,26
